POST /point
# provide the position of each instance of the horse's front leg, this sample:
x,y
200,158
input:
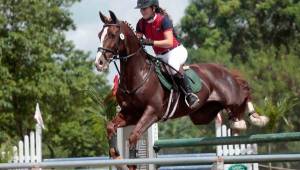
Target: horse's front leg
x,y
143,124
118,121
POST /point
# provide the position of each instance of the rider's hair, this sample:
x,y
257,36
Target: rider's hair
x,y
161,11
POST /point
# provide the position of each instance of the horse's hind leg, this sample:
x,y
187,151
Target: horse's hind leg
x,y
236,116
254,117
206,113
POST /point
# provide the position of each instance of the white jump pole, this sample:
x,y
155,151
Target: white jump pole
x,y
38,143
32,147
21,152
26,144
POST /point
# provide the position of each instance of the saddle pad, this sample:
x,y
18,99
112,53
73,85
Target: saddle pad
x,y
194,80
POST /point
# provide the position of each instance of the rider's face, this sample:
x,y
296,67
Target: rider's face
x,y
147,12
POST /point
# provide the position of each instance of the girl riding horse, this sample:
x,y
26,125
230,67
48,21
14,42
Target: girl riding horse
x,y
157,27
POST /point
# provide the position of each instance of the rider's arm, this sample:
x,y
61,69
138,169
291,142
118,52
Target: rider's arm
x,y
167,42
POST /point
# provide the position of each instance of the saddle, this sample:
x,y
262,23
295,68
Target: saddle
x,y
167,81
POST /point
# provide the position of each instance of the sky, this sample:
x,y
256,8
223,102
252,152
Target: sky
x,y
86,18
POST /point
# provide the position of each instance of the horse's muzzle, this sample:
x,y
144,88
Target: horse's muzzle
x,y
100,63
101,67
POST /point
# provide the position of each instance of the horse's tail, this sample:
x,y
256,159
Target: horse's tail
x,y
242,83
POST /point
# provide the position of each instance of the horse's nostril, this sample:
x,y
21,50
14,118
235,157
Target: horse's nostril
x,y
101,63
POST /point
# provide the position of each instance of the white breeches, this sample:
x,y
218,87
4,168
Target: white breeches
x,y
175,57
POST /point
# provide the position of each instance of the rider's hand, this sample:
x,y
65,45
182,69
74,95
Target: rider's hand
x,y
139,35
147,42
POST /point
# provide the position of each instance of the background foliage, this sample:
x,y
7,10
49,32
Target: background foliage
x,y
37,64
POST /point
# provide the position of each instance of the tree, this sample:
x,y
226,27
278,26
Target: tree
x,y
259,38
38,64
244,24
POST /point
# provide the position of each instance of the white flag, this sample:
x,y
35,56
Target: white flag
x,y
38,116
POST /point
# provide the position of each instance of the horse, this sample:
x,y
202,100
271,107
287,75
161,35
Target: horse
x,y
143,99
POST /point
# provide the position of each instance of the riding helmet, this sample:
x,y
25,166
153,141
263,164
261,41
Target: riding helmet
x,y
146,3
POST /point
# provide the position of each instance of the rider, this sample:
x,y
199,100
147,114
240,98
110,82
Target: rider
x,y
159,32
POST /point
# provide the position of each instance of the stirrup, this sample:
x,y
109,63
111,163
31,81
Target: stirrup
x,y
194,104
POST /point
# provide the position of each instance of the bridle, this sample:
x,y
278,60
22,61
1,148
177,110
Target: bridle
x,y
117,56
116,52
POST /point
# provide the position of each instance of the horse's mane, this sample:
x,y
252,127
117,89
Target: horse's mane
x,y
135,34
131,28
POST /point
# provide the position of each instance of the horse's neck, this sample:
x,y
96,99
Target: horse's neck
x,y
134,69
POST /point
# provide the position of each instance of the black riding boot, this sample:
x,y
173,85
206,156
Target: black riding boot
x,y
191,99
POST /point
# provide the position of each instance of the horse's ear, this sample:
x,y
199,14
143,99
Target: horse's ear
x,y
113,17
102,17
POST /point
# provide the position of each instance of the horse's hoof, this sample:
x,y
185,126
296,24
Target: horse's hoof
x,y
238,125
259,121
132,167
114,153
120,167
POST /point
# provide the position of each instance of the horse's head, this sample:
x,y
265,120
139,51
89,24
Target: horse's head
x,y
111,41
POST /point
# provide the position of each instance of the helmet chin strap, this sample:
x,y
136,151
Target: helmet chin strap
x,y
151,17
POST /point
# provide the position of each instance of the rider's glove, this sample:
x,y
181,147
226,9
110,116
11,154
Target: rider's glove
x,y
147,42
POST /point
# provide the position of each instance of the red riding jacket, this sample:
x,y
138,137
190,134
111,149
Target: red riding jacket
x,y
155,31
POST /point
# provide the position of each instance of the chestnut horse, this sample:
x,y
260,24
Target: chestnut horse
x,y
142,98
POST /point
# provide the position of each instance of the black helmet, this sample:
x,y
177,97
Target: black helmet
x,y
146,3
